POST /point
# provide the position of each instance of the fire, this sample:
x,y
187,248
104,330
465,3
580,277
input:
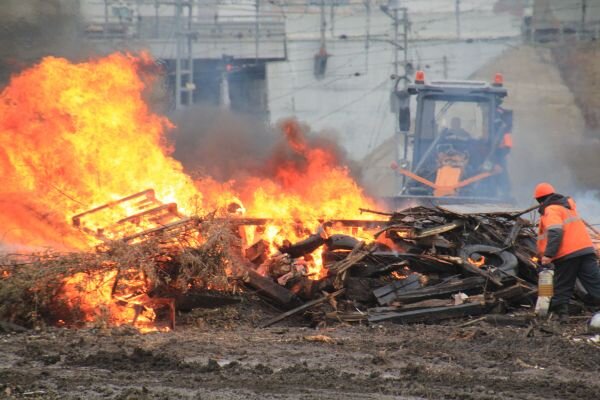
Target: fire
x,y
478,261
107,297
76,136
312,188
398,276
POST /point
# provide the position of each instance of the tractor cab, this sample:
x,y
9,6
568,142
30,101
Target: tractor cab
x,y
457,151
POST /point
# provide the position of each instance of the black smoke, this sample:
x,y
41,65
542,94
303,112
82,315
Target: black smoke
x,y
215,142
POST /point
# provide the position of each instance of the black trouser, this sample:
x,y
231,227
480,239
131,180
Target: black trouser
x,y
585,268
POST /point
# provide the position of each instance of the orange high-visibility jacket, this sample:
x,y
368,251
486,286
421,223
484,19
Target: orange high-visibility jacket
x,y
575,236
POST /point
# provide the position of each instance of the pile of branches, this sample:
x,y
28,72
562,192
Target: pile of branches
x,y
32,285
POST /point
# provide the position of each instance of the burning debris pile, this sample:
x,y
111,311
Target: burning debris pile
x,y
420,264
87,168
118,284
91,175
423,264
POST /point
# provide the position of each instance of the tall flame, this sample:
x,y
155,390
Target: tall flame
x,y
78,135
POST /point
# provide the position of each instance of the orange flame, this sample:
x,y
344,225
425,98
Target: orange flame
x,y
76,136
478,263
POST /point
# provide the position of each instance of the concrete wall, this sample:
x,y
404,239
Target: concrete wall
x,y
353,97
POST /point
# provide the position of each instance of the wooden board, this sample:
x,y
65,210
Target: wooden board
x,y
430,314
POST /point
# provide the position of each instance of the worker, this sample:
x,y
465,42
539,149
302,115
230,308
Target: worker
x,y
454,139
456,130
563,240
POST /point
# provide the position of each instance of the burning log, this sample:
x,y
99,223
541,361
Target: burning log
x,y
258,252
305,246
156,304
472,269
267,288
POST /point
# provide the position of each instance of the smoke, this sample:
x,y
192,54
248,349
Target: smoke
x,y
569,162
225,146
588,205
579,67
214,142
32,29
583,160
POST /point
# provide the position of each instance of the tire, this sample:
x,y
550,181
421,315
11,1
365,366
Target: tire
x,y
505,261
341,242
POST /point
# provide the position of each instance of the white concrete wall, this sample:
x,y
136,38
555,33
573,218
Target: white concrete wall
x,y
353,98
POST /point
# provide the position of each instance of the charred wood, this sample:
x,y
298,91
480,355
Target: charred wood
x,y
203,299
258,252
514,232
469,285
346,316
431,303
304,247
434,314
301,308
387,294
371,267
472,269
265,287
515,292
436,230
361,289
357,254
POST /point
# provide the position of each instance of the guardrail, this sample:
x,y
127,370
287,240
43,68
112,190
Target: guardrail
x,y
230,28
558,32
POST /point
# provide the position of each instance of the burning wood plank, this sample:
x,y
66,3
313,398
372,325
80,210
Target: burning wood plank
x,y
273,291
132,215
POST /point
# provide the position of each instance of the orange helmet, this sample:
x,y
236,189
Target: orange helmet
x,y
543,189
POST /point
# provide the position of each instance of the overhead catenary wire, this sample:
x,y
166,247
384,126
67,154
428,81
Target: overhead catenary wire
x,y
350,103
374,66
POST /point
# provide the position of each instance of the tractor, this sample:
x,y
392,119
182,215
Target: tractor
x,y
457,153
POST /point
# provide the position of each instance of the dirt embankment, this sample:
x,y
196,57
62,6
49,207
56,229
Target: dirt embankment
x,y
548,125
579,64
219,354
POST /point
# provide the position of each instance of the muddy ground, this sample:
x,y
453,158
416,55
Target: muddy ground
x,y
220,354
